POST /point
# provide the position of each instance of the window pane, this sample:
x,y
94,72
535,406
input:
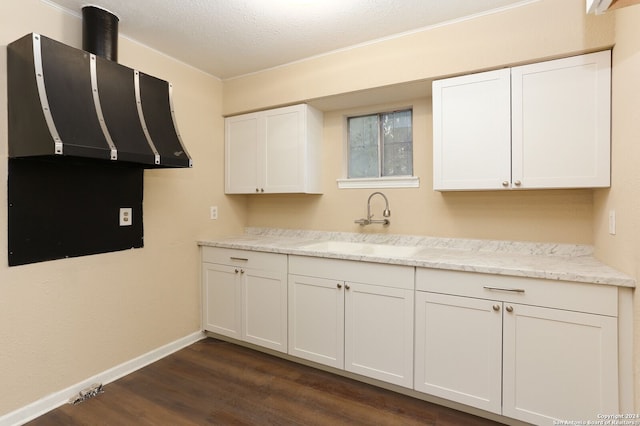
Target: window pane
x,y
398,159
363,147
397,144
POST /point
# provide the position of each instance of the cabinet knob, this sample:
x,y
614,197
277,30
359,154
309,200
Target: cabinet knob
x,y
517,183
261,189
237,270
339,285
242,271
505,183
346,286
509,308
257,189
496,307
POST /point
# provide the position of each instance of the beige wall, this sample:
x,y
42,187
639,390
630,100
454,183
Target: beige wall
x,y
560,216
113,307
541,29
622,251
64,321
538,30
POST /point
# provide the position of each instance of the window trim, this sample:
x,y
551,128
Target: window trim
x,y
382,182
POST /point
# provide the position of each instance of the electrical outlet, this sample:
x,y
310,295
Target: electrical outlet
x,y
126,216
213,212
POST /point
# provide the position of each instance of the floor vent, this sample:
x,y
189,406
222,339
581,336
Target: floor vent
x,y
90,392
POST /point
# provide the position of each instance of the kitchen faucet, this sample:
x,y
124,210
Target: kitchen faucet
x,y
386,212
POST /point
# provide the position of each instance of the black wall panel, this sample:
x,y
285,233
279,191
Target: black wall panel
x,y
60,209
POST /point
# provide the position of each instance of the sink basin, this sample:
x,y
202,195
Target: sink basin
x,y
347,247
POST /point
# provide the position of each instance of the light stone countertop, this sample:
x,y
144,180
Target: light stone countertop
x,y
566,262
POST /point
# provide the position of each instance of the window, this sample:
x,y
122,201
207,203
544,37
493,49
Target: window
x,y
380,147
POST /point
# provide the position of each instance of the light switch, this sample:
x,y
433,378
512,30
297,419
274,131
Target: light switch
x,y
612,222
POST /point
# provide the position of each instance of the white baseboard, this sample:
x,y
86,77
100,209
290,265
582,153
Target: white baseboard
x,y
56,399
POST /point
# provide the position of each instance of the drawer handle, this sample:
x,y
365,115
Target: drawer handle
x,y
243,259
512,290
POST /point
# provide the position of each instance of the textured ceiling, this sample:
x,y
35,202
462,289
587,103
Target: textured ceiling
x,y
228,38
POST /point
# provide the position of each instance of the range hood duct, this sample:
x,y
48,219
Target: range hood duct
x,y
67,102
100,32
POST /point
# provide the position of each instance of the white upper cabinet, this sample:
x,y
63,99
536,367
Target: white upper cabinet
x,y
561,115
241,154
274,151
472,131
544,125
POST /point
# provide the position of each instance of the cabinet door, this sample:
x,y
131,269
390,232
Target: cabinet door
x,y
242,134
264,302
283,150
222,300
558,365
459,349
561,122
316,320
472,131
379,332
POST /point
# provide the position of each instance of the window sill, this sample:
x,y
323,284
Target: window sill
x,y
386,182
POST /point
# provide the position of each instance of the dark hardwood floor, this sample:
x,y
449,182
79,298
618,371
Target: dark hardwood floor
x,y
215,382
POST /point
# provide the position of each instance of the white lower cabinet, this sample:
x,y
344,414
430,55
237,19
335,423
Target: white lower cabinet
x,y
459,349
316,319
524,348
529,349
355,316
558,364
245,296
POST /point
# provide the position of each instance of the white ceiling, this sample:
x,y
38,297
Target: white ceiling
x,y
228,38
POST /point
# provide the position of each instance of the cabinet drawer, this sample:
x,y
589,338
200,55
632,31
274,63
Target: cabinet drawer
x,y
591,298
397,276
245,258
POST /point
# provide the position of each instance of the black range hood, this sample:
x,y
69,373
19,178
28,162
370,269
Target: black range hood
x,y
67,102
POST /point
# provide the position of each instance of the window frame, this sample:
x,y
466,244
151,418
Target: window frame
x,y
403,181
